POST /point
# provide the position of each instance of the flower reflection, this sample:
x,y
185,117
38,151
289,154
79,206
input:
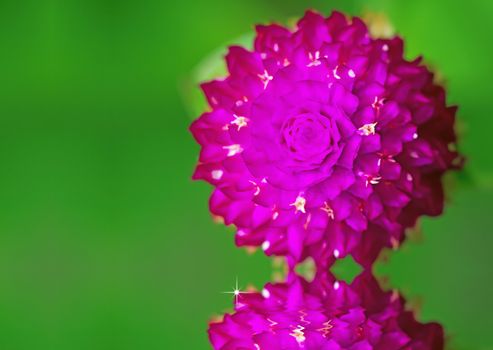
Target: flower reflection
x,y
324,314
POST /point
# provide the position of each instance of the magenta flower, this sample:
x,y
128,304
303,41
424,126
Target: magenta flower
x,y
324,142
324,315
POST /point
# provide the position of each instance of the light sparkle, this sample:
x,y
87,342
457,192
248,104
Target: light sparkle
x,y
237,292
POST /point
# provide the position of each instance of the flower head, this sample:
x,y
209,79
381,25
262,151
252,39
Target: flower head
x,y
324,314
324,138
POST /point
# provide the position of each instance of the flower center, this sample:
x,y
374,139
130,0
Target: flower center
x,y
307,137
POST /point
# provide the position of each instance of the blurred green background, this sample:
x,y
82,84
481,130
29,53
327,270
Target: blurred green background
x,y
105,243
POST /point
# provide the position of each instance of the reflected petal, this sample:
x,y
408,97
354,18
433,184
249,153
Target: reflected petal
x,y
321,315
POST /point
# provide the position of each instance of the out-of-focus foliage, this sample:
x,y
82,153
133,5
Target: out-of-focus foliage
x,y
105,243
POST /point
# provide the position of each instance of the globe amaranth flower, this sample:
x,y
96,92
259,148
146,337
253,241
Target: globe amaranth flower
x,y
324,315
323,141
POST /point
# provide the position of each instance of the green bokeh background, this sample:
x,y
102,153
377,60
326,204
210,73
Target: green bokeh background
x,y
105,243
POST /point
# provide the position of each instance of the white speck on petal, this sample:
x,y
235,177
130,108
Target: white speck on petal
x,y
298,334
375,180
336,253
377,103
257,187
336,285
275,215
351,73
217,174
266,78
314,59
265,293
233,149
239,121
299,204
265,245
334,72
367,129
